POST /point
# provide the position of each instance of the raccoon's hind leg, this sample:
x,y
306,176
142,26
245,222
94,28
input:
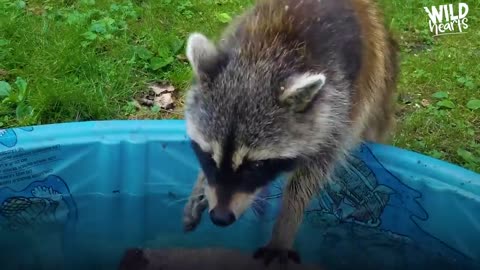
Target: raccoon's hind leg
x,y
197,203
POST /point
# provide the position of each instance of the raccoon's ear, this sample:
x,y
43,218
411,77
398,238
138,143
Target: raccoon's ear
x,y
201,54
301,90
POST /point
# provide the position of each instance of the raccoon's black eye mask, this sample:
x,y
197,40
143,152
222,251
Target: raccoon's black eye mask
x,y
207,163
268,165
249,176
259,173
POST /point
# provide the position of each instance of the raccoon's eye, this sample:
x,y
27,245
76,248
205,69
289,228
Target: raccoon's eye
x,y
258,164
255,165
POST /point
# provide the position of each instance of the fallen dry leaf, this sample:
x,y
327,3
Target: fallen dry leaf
x,y
425,102
182,58
159,88
146,102
164,101
159,94
36,10
3,72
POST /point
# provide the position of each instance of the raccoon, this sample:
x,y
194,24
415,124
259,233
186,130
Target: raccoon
x,y
290,89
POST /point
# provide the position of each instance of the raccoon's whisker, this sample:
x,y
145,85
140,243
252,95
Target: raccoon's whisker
x,y
262,199
196,196
258,198
177,201
259,205
185,199
254,204
172,184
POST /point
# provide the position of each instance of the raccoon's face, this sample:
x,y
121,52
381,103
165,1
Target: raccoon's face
x,y
247,124
231,187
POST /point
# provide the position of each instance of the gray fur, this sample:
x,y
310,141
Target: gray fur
x,y
251,101
243,87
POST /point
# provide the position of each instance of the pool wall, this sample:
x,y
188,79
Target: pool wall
x,y
92,189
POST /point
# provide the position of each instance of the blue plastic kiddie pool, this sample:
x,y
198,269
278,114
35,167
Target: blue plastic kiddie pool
x,y
77,195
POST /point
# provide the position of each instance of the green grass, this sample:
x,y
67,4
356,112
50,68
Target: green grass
x,y
448,130
79,60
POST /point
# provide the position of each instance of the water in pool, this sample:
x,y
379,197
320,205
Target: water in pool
x,y
369,218
40,237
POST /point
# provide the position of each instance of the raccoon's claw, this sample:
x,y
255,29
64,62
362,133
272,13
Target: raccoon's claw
x,y
190,225
267,254
192,213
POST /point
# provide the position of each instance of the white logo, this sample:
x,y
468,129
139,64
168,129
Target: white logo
x,y
447,19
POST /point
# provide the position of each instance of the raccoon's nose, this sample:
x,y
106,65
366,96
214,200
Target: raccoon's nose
x,y
222,217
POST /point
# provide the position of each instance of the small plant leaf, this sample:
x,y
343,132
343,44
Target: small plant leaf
x,y
176,45
467,156
90,35
5,89
224,17
88,2
159,62
76,18
9,99
474,104
155,109
470,85
98,27
85,43
23,111
144,53
114,7
446,104
20,4
440,95
4,42
436,154
22,88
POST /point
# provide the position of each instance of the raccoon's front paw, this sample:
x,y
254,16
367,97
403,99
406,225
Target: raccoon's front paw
x,y
268,254
192,213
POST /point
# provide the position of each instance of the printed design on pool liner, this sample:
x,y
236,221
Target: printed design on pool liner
x,y
372,197
42,205
8,137
355,195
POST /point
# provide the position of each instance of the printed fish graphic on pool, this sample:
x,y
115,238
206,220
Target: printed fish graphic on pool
x,y
40,219
42,204
8,137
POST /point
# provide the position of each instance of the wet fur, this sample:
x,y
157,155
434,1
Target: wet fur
x,y
345,40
